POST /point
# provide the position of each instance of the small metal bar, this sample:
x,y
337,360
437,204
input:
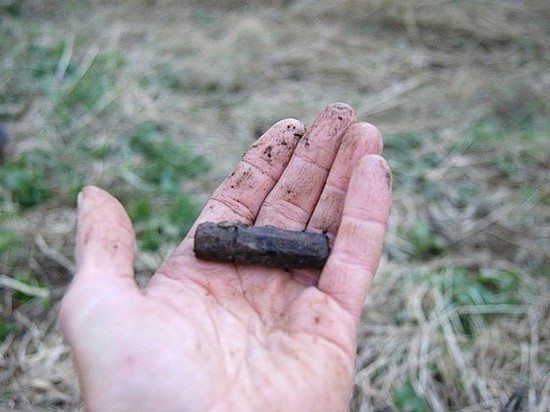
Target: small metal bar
x,y
261,245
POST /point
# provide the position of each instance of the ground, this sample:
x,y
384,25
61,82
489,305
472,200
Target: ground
x,y
157,100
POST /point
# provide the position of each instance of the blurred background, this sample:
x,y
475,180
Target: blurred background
x,y
155,100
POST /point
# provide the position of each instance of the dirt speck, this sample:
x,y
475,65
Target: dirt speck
x,y
239,179
267,152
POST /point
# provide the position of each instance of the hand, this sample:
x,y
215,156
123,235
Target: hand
x,y
205,336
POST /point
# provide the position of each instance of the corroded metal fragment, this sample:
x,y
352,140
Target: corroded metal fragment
x,y
261,245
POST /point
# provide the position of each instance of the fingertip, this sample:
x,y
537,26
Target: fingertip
x,y
291,124
105,239
95,205
370,190
92,198
341,107
273,150
369,133
375,170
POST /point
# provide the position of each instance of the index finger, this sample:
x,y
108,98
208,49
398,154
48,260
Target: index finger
x,y
240,196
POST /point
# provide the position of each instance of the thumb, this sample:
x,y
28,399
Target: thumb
x,y
104,253
105,239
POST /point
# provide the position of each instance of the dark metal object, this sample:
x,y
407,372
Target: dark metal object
x,y
261,245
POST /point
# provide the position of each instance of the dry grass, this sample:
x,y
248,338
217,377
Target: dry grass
x,y
459,316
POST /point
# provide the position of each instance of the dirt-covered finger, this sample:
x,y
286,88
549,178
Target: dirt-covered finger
x,y
290,204
240,196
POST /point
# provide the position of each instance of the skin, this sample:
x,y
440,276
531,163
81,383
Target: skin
x,y
205,336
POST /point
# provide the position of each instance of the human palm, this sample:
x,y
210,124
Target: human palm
x,y
205,336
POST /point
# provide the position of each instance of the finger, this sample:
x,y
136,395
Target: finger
x,y
243,192
104,251
240,196
105,240
290,204
354,258
360,139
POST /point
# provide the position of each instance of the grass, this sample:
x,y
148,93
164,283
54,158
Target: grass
x,y
158,110
76,92
71,84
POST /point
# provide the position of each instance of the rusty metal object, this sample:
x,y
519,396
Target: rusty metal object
x,y
261,245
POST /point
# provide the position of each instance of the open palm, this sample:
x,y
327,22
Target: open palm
x,y
205,336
